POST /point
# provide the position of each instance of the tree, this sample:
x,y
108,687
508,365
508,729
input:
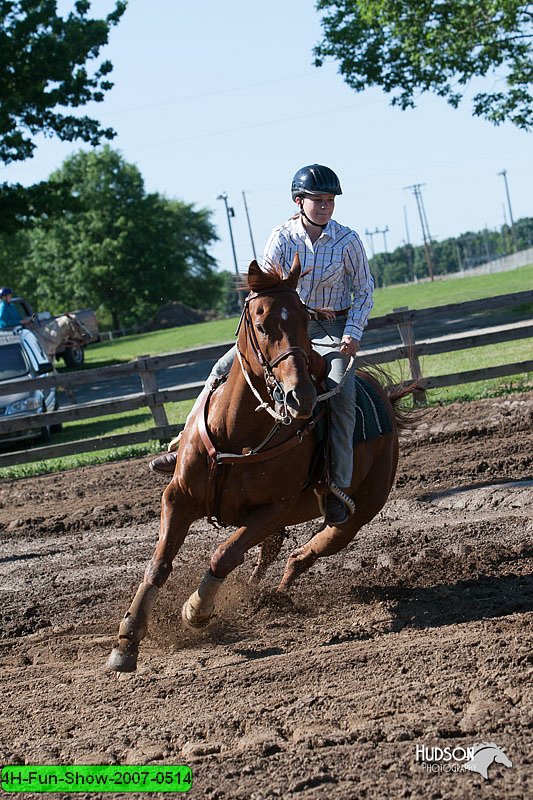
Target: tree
x,y
117,248
454,254
435,46
43,73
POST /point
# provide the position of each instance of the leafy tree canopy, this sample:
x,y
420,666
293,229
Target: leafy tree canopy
x,y
118,248
407,48
43,72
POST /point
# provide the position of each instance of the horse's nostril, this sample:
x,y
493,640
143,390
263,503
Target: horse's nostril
x,y
304,405
292,400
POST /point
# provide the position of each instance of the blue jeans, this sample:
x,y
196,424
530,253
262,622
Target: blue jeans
x,y
326,337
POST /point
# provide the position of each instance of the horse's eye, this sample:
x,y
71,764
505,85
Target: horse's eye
x,y
260,329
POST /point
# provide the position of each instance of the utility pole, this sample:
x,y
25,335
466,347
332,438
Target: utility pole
x,y
249,225
370,235
503,173
409,254
231,213
416,187
383,231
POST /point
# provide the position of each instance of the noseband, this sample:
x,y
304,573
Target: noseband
x,y
274,387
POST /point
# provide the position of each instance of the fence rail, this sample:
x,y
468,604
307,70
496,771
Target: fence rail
x,y
146,368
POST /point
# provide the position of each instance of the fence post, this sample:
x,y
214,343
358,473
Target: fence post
x,y
407,335
149,385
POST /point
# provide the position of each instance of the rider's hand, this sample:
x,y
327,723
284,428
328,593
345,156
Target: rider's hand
x,y
325,313
349,346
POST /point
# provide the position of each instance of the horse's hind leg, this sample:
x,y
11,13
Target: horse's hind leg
x,y
328,541
175,522
268,552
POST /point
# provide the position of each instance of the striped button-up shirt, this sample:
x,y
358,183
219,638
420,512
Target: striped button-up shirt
x,y
335,272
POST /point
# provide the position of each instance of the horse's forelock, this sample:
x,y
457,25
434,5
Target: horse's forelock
x,y
262,280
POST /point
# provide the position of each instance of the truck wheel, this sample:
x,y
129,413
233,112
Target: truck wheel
x,y
74,356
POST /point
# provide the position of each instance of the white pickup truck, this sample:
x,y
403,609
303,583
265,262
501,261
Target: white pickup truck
x,y
22,357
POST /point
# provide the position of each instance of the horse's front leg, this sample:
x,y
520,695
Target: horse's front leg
x,y
176,518
199,608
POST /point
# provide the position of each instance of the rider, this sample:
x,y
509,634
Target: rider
x,y
335,280
10,316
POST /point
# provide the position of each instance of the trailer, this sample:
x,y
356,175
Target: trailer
x,y
62,336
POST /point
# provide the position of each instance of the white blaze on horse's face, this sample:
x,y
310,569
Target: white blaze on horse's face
x,y
284,314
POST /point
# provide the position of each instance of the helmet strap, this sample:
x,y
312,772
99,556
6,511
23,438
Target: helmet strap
x,y
316,224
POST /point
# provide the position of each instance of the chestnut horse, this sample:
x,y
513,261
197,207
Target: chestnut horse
x,y
236,462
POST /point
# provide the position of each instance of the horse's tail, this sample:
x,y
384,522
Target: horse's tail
x,y
407,417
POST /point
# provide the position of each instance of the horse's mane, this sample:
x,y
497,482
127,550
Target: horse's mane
x,y
262,279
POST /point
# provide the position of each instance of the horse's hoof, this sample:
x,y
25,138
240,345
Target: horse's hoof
x,y
192,618
124,660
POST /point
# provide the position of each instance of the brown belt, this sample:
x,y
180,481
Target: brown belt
x,y
342,313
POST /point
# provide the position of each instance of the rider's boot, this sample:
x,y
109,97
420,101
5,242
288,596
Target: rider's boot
x,y
339,505
165,463
336,511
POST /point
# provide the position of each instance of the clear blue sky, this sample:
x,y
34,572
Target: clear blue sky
x,y
212,97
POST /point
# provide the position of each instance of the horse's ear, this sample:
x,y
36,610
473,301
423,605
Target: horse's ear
x,y
255,273
294,274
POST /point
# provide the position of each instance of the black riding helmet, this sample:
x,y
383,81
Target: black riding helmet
x,y
315,179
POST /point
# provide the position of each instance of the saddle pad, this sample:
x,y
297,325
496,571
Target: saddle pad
x,y
371,418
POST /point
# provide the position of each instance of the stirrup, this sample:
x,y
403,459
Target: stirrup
x,y
346,499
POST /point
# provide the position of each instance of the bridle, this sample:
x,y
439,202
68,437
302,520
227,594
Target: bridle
x,y
274,387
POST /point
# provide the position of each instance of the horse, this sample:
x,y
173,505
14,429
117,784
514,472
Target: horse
x,y
233,462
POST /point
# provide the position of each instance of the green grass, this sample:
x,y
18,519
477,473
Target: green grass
x,y
128,422
422,295
441,292
475,358
157,342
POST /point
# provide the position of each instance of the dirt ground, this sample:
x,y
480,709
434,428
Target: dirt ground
x,y
418,635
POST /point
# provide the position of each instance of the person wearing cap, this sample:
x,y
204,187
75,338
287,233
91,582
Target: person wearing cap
x,y
10,316
335,281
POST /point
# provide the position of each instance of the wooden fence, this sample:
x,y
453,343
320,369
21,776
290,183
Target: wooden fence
x,y
146,367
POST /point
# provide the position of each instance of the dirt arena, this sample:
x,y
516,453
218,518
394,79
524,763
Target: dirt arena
x,y
418,635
